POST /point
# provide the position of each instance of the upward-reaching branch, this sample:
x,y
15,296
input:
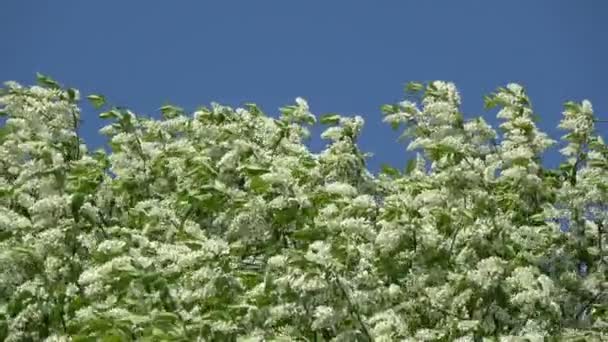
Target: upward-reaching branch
x,y
353,308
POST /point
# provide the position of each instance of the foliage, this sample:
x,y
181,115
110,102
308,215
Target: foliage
x,y
223,226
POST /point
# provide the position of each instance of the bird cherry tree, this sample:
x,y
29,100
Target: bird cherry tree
x,y
221,225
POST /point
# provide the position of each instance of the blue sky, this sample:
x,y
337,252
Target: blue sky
x,y
348,57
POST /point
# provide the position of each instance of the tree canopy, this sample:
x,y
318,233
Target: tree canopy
x,y
221,225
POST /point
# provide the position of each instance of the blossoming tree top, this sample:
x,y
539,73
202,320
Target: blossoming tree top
x,y
223,226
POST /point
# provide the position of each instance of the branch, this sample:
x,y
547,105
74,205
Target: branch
x,y
586,306
76,124
352,308
181,223
446,312
104,223
579,159
600,230
452,243
278,142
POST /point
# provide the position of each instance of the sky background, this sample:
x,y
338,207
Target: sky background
x,y
349,57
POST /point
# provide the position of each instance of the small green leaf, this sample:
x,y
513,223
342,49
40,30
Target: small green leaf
x,y
413,87
572,106
388,109
287,110
97,101
170,111
254,109
330,119
111,114
310,119
390,171
308,162
459,120
489,102
253,170
395,125
113,336
46,81
165,317
77,202
284,216
4,131
258,185
73,95
411,165
309,234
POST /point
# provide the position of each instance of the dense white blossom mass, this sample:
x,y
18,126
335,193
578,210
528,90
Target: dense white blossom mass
x,y
223,226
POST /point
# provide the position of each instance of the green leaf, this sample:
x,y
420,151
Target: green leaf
x,y
287,110
284,216
165,317
46,81
388,109
572,106
73,95
459,120
254,109
258,185
77,202
411,165
395,125
97,101
330,119
29,252
413,87
111,114
308,162
468,214
113,336
489,102
170,111
390,171
253,170
96,325
309,234
4,131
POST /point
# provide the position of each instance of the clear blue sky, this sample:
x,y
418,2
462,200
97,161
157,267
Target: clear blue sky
x,y
342,56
